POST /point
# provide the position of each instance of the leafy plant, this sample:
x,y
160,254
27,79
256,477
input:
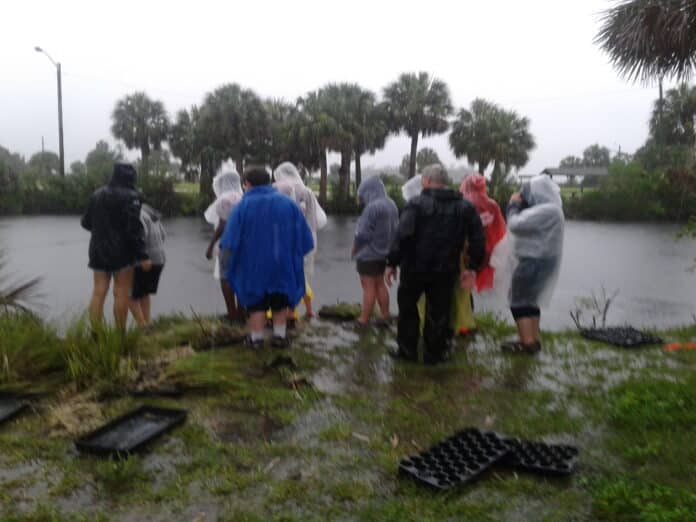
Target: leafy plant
x,y
596,305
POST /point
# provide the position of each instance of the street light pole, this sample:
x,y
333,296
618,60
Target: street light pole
x,y
60,110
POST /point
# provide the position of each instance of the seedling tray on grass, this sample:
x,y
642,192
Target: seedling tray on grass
x,y
624,336
131,432
340,312
459,459
541,458
10,408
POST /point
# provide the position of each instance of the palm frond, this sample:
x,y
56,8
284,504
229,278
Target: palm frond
x,y
18,296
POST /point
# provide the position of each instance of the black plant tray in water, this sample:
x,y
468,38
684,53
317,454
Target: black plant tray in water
x,y
541,458
459,459
625,336
131,432
10,408
340,312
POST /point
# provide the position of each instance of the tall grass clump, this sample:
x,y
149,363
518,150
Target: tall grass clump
x,y
28,347
99,355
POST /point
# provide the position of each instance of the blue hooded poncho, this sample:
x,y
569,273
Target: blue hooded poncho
x,y
268,237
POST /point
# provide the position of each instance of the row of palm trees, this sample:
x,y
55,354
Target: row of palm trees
x,y
234,122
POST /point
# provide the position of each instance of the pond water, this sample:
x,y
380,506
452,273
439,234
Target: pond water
x,y
644,262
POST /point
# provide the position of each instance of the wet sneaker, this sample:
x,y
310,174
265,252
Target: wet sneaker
x,y
250,343
280,342
401,355
359,326
381,323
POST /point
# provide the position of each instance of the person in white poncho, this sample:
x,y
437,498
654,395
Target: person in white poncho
x,y
287,174
228,192
535,221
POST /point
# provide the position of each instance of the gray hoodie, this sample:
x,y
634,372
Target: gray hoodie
x,y
154,234
378,222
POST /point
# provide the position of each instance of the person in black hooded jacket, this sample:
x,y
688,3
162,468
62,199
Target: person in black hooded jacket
x,y
117,243
434,229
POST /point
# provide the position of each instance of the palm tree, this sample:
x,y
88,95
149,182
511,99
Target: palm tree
x,y
488,134
235,124
673,118
417,104
182,142
650,39
370,130
141,123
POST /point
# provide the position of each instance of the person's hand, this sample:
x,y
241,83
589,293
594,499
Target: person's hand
x,y
353,251
209,252
389,275
146,265
516,198
467,280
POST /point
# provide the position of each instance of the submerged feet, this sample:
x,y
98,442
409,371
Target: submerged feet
x,y
520,347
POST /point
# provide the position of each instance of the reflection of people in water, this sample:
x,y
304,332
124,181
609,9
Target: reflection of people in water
x,y
535,220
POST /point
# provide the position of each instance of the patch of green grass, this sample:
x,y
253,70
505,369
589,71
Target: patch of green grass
x,y
45,513
626,499
29,348
336,433
117,476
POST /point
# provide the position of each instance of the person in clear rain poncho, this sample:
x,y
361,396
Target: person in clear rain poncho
x,y
535,221
287,174
228,193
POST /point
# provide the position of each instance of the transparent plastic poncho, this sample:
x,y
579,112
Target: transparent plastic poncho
x,y
537,244
228,191
287,173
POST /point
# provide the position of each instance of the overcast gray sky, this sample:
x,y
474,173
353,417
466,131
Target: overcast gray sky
x,y
536,57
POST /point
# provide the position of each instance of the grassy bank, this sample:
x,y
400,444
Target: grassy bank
x,y
321,439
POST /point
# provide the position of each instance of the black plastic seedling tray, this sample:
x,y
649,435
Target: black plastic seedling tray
x,y
10,408
624,336
541,458
459,459
131,432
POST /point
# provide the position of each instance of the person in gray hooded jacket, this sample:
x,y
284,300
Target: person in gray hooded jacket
x,y
374,234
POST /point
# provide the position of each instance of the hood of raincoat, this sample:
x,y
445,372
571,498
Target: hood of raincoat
x,y
473,188
287,172
541,190
371,190
227,181
412,188
123,175
153,214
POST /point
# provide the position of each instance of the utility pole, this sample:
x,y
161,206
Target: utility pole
x,y
60,110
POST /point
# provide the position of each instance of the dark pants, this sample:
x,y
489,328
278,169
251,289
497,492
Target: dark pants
x,y
438,302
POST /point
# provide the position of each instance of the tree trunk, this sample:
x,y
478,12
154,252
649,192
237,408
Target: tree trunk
x,y
239,163
412,159
344,175
205,184
324,176
358,171
145,160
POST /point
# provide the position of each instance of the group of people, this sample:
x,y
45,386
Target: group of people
x,y
445,243
448,244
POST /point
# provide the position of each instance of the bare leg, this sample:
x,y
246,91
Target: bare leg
x,y
525,327
280,317
233,312
136,310
369,297
145,306
123,283
537,332
382,297
96,304
257,321
309,312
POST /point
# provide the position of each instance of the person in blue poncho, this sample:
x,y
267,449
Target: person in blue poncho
x,y
267,237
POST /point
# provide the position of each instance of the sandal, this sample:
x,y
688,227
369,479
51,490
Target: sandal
x,y
520,347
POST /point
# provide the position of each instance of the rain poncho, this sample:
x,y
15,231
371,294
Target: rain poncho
x,y
377,225
537,233
268,237
412,188
316,217
227,187
473,188
228,192
113,218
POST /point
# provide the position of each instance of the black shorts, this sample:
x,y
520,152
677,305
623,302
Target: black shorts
x,y
522,312
273,301
146,283
371,268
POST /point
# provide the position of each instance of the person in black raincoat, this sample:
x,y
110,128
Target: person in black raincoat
x,y
434,230
117,244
